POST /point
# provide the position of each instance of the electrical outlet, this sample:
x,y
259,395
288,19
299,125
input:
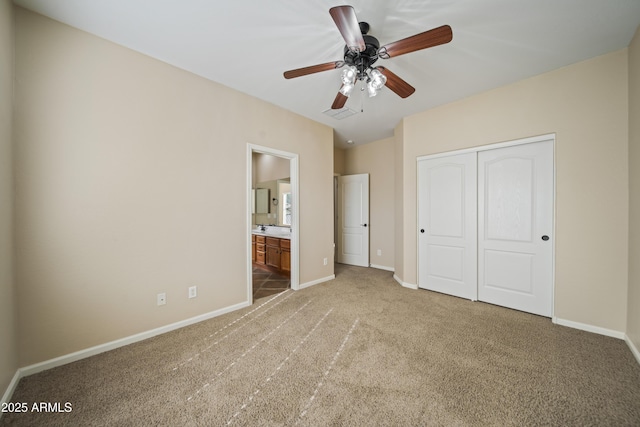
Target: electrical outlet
x,y
193,291
379,252
162,299
325,261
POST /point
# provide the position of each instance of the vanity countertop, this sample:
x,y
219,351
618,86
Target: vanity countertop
x,y
271,234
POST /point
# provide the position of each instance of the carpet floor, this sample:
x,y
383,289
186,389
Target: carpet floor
x,y
358,350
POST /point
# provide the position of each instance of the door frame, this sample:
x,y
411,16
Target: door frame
x,y
295,213
529,140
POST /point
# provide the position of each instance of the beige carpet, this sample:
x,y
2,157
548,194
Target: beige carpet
x,y
359,350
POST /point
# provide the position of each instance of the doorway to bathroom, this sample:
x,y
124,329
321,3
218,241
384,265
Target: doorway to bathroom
x,y
272,219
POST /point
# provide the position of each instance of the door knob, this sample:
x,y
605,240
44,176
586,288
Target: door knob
x,y
422,230
364,225
545,237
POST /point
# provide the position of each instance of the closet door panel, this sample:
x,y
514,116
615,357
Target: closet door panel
x,y
515,217
447,225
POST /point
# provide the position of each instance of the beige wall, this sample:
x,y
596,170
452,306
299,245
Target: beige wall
x,y
376,159
338,161
8,347
399,197
585,104
633,307
120,160
270,168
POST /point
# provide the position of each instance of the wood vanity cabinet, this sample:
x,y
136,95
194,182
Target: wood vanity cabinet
x,y
273,252
260,250
253,248
285,255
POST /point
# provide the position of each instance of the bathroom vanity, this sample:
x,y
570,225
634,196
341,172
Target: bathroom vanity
x,y
271,250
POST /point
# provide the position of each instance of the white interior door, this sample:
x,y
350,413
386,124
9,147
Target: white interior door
x,y
353,219
515,217
447,225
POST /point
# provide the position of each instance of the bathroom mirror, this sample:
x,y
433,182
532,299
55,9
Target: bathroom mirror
x,y
273,202
262,200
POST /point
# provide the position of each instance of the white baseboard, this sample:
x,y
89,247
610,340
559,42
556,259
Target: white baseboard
x,y
9,391
632,347
101,348
589,328
382,267
315,282
406,285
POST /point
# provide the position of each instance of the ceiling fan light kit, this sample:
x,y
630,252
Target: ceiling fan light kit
x,y
349,76
375,82
362,50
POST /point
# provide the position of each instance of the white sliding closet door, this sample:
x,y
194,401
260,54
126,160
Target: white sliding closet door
x,y
447,225
515,216
485,224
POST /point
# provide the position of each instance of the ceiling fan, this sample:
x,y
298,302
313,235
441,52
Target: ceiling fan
x,y
362,51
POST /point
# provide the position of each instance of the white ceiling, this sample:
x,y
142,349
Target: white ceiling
x,y
248,44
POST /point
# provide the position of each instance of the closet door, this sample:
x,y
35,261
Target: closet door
x,y
515,224
447,233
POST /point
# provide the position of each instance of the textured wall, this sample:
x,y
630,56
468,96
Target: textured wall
x,y
376,159
132,181
8,348
633,319
585,104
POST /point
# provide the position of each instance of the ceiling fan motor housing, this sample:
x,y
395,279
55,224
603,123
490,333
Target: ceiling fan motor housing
x,y
363,60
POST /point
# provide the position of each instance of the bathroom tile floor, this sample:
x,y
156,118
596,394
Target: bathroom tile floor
x,y
266,283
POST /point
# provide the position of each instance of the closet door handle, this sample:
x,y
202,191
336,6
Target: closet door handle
x,y
364,225
545,237
422,230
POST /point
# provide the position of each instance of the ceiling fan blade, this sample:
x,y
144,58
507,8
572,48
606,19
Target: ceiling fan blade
x,y
312,69
431,38
347,22
339,102
396,84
